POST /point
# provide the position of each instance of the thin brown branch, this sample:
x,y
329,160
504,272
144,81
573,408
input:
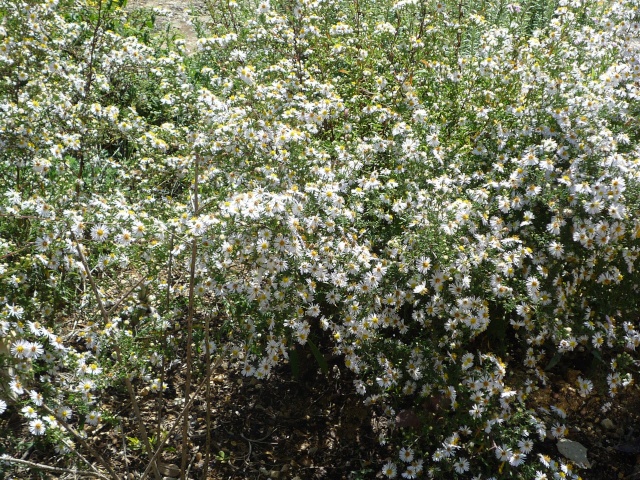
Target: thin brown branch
x,y
94,43
16,252
72,448
189,359
105,317
124,297
47,468
177,421
207,350
83,442
160,398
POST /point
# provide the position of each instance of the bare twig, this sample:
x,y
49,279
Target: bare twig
x,y
82,457
15,252
124,450
459,32
105,317
47,468
177,421
87,91
83,441
193,459
124,297
94,43
189,359
207,351
160,398
251,441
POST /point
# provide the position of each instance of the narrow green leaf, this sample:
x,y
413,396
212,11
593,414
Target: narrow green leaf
x,y
294,363
554,361
596,354
322,362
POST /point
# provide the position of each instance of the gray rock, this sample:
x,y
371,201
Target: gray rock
x,y
169,470
607,424
574,451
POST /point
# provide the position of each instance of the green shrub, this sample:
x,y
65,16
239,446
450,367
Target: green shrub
x,y
439,193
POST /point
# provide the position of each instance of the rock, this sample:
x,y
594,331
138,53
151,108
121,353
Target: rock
x,y
574,451
169,469
630,448
607,424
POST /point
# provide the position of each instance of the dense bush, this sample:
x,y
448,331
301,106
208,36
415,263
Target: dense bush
x,y
435,193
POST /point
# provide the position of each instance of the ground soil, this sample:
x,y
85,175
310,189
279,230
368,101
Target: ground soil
x,y
178,14
314,427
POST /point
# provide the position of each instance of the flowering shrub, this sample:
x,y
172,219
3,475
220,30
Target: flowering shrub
x,y
438,194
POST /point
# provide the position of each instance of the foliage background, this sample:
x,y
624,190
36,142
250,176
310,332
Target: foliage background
x,y
436,194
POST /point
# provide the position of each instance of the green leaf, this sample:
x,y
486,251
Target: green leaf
x,y
553,362
134,443
598,357
294,363
322,362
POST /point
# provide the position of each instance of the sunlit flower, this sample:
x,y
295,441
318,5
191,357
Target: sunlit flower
x,y
99,233
37,427
20,349
93,418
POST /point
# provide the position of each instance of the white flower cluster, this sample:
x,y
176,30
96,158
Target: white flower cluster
x,y
438,201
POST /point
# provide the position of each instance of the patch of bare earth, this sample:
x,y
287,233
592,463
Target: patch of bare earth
x,y
178,15
608,428
311,428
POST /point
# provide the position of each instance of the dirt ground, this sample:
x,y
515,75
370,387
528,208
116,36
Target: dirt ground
x,y
315,427
178,15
